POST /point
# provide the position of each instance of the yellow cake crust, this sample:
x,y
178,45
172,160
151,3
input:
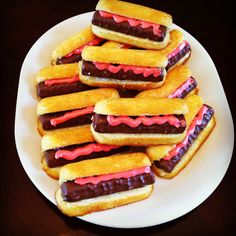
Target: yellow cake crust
x,y
124,56
103,165
72,43
141,106
74,100
135,11
57,72
174,79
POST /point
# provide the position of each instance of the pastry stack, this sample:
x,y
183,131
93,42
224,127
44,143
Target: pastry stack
x,y
118,84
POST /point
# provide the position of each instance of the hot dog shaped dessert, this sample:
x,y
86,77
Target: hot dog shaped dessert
x,y
69,51
169,160
179,83
59,80
104,183
122,68
70,109
131,24
139,121
178,51
65,146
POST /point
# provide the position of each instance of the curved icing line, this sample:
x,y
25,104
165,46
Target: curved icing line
x,y
146,71
181,88
197,121
172,120
71,115
177,49
68,80
82,151
132,22
79,50
118,175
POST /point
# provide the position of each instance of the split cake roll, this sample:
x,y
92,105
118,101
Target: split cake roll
x,y
132,24
122,68
59,80
179,83
69,51
70,109
99,184
178,51
139,121
65,146
169,160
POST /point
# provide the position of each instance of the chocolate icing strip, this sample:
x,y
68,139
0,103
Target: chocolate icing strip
x,y
125,28
169,165
53,162
89,69
60,89
101,125
72,192
191,87
80,120
173,60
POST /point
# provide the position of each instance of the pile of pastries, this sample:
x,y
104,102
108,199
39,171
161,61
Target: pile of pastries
x,y
116,106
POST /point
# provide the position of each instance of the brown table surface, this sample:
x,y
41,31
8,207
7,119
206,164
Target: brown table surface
x,y
24,210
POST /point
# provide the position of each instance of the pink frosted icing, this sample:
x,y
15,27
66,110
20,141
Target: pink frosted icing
x,y
181,88
172,120
178,49
81,151
146,71
69,80
197,121
71,115
118,175
132,22
79,50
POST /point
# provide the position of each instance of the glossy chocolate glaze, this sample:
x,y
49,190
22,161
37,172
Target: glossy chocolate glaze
x,y
101,125
125,28
60,89
169,165
53,162
188,89
80,120
173,60
67,60
89,69
72,192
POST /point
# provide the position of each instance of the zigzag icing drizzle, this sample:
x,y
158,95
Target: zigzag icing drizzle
x,y
196,121
132,22
172,120
118,175
146,71
71,115
82,151
178,49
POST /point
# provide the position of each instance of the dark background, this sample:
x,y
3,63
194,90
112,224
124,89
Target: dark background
x,y
24,210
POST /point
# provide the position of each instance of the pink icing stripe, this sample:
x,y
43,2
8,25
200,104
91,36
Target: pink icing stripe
x,y
176,50
79,50
181,88
146,71
172,120
71,115
118,175
132,22
81,151
197,121
69,80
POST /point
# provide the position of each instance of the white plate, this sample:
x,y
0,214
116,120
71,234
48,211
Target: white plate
x,y
171,198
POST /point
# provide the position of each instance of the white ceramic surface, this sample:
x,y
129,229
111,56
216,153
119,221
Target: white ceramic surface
x,y
171,198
